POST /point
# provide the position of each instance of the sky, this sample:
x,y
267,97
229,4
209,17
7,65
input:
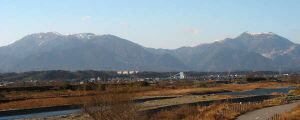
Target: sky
x,y
152,23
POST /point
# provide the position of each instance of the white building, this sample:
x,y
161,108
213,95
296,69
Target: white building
x,y
125,72
181,75
119,72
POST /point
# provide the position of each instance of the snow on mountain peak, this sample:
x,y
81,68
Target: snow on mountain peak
x,y
260,33
55,33
84,35
45,34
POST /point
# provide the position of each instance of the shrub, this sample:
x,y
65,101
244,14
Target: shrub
x,y
176,113
2,96
91,86
66,86
143,84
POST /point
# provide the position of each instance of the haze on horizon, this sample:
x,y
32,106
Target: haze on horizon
x,y
155,23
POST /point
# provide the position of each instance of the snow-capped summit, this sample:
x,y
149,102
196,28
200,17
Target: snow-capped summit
x,y
48,33
44,35
56,34
259,36
84,35
260,33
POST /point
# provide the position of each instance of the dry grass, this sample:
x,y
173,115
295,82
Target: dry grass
x,y
47,102
47,94
250,86
226,111
50,98
176,114
114,106
292,115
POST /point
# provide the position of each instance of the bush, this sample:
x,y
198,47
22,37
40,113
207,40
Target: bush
x,y
102,87
2,96
143,84
66,86
139,84
91,86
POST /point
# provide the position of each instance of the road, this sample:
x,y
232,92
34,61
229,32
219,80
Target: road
x,y
265,113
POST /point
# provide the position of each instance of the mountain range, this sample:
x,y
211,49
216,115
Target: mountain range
x,y
88,51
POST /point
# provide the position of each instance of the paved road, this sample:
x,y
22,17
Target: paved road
x,y
265,113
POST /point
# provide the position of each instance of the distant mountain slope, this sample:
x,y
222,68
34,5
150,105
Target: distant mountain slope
x,y
84,51
48,51
266,44
248,51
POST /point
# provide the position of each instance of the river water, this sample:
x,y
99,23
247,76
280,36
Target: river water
x,y
261,91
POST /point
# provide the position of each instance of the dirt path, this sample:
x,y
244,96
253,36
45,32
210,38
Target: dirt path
x,y
265,113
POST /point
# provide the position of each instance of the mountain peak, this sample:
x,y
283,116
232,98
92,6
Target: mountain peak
x,y
109,36
54,33
47,33
44,34
257,34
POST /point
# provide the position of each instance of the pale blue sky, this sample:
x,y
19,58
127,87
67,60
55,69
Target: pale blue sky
x,y
152,23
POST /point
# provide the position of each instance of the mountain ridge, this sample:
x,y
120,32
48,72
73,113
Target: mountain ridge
x,y
84,51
